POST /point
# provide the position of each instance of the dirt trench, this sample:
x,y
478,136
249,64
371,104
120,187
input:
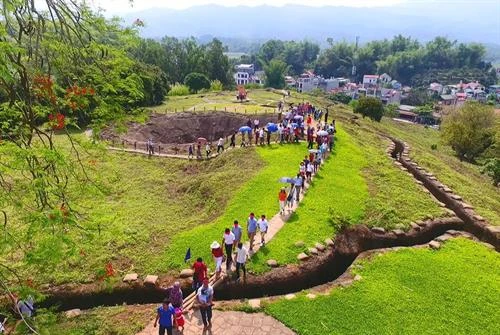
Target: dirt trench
x,y
325,267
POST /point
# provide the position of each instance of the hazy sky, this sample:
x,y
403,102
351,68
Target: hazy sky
x,y
122,6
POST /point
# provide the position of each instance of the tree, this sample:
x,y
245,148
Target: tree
x,y
492,168
197,81
469,130
217,63
275,73
370,107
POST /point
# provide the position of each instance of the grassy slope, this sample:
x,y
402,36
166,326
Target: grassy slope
x,y
258,195
413,291
358,183
143,206
464,178
118,320
338,190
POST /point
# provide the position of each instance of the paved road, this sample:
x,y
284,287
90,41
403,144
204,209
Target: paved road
x,y
229,323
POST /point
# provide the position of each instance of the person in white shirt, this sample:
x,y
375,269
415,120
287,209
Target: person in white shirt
x,y
263,226
220,145
241,259
204,295
256,123
261,136
228,240
309,171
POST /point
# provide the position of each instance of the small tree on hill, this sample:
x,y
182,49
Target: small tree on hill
x,y
370,107
340,97
275,73
469,130
197,81
492,169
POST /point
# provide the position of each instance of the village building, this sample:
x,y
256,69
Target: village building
x,y
245,74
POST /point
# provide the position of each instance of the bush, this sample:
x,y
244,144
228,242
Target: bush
x,y
253,86
354,104
434,146
197,81
391,110
178,90
469,130
340,97
216,86
492,168
370,107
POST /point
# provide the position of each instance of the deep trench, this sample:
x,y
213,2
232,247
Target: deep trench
x,y
321,269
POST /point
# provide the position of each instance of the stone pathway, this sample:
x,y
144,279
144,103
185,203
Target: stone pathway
x,y
229,323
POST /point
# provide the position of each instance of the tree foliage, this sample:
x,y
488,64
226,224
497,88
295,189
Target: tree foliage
x,y
298,55
196,82
275,73
491,167
370,107
408,61
469,130
340,97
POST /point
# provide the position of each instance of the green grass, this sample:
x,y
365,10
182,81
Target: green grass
x,y
463,178
258,195
147,201
118,320
337,190
357,184
260,101
412,291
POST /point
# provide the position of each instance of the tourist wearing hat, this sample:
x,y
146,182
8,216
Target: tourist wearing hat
x,y
218,255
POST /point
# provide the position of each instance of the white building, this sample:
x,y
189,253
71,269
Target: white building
x,y
246,74
370,80
385,78
308,81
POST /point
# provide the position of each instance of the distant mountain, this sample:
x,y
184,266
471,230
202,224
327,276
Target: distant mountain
x,y
468,22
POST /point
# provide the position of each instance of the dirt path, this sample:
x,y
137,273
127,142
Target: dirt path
x,y
229,323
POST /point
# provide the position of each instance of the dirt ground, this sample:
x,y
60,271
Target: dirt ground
x,y
184,128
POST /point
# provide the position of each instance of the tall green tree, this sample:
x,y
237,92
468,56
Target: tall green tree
x,y
197,81
217,63
275,73
370,107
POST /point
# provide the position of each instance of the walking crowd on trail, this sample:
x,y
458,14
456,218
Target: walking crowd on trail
x,y
231,251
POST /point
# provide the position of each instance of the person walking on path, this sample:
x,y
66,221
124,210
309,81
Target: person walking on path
x,y
263,226
175,295
190,151
228,241
200,273
256,124
309,171
326,116
251,229
218,256
256,131
198,151
233,140
282,199
241,259
150,147
220,145
261,136
208,149
237,231
298,186
268,137
204,296
166,315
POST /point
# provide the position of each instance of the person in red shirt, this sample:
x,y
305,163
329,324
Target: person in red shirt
x,y
282,199
200,273
218,256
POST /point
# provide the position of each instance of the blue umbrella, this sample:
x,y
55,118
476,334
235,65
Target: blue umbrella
x,y
272,127
294,125
245,129
286,180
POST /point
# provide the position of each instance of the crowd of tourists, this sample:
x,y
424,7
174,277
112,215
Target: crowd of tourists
x,y
231,251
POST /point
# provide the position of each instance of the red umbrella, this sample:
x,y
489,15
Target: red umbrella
x,y
202,140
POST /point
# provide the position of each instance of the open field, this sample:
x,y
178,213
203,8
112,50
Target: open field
x,y
412,291
259,101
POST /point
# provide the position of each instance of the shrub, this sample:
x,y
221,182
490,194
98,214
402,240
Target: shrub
x,y
178,90
197,81
340,97
253,86
492,168
391,110
216,86
469,130
370,107
434,146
